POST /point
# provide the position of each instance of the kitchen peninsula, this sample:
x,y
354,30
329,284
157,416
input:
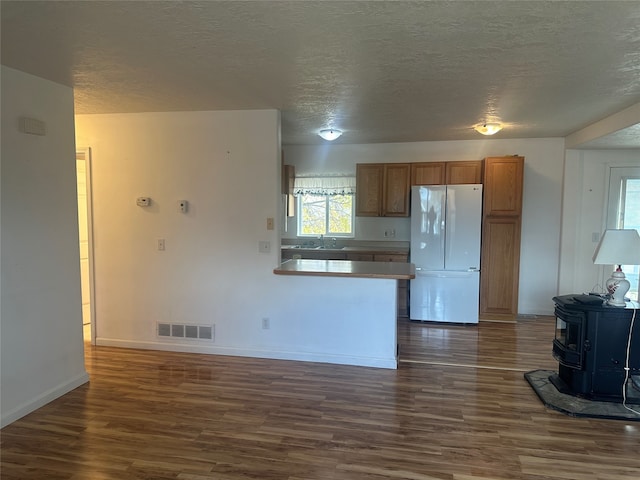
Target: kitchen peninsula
x,y
380,252
348,308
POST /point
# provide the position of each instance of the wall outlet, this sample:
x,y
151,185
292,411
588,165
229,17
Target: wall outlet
x,y
265,323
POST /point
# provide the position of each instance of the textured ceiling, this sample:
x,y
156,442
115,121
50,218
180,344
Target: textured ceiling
x,y
380,71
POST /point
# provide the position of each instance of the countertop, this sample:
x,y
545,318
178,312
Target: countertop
x,y
347,268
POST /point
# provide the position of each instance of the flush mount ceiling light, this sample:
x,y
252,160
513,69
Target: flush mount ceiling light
x,y
488,128
330,134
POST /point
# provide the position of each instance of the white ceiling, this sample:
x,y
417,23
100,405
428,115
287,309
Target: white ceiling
x,y
380,71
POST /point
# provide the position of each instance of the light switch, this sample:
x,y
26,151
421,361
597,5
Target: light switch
x,y
270,223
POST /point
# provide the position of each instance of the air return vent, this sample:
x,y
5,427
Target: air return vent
x,y
179,330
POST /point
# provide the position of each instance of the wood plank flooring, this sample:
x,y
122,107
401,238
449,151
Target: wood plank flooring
x,y
458,408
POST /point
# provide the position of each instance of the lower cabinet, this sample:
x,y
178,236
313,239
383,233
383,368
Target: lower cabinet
x,y
500,268
289,254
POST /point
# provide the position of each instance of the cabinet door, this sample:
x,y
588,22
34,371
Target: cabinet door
x,y
360,257
500,267
324,255
395,194
389,257
369,189
503,186
458,173
432,173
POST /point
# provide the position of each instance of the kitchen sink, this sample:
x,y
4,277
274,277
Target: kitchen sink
x,y
328,248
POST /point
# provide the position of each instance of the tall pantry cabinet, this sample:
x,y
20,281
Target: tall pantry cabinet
x,y
501,223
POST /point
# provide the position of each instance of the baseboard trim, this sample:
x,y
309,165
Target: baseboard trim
x,y
377,362
40,401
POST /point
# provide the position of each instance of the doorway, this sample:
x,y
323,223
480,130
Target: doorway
x,y
83,179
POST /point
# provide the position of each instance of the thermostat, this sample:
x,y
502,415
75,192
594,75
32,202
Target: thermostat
x,y
143,201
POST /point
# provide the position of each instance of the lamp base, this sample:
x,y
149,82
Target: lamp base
x,y
617,286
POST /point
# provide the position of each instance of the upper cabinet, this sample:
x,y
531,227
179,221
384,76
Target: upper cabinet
x,y
458,173
428,173
503,186
446,173
395,192
382,189
369,189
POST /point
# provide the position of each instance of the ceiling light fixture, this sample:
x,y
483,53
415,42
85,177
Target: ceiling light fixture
x,y
488,128
330,134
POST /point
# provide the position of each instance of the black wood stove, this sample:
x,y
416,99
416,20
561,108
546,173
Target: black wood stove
x,y
592,346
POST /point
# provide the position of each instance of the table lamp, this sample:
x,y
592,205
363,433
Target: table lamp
x,y
618,247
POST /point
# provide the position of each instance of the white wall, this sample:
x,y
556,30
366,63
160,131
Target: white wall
x,y
586,187
41,326
544,160
226,165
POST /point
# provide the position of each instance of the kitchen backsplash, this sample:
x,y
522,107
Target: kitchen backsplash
x,y
366,229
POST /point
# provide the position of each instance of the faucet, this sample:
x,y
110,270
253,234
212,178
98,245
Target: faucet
x,y
322,241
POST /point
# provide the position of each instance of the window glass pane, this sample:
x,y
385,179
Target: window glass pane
x,y
313,214
340,212
325,215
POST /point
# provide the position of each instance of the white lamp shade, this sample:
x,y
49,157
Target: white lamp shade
x,y
618,247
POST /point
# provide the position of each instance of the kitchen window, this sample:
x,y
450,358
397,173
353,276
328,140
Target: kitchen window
x,y
326,206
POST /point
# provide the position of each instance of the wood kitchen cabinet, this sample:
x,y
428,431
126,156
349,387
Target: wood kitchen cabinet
x,y
382,190
369,189
288,254
503,186
428,173
501,226
458,173
446,173
360,257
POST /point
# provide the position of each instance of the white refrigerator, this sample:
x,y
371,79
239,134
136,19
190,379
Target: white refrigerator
x,y
445,248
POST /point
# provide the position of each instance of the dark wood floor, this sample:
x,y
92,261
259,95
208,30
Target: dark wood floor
x,y
457,408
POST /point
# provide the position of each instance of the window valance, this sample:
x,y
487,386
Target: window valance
x,y
326,185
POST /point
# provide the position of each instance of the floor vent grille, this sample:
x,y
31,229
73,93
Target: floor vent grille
x,y
179,330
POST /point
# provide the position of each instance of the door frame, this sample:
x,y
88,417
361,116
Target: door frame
x,y
85,154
